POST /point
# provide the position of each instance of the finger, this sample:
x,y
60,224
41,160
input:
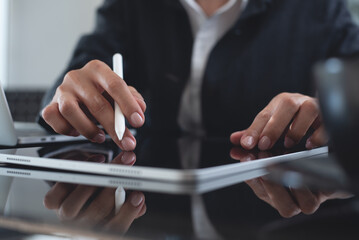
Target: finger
x,y
323,196
241,155
71,111
75,201
100,207
142,104
140,100
142,211
251,136
318,138
281,199
264,155
118,90
135,92
257,187
128,213
52,116
235,137
128,142
54,198
306,116
99,108
278,122
306,200
125,158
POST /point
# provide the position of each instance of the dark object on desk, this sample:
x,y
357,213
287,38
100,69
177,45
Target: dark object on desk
x,y
338,88
24,105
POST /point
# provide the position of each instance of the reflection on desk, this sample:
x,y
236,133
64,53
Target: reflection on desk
x,y
230,213
249,208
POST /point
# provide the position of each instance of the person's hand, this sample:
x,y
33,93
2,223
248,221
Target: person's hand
x,y
288,114
90,206
85,96
287,201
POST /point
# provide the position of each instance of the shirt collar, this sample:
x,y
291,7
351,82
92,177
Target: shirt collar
x,y
253,8
195,7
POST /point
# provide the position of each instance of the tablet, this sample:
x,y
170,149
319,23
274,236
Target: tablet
x,y
130,183
172,160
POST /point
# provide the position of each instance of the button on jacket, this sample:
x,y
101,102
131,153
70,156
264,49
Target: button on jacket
x,y
270,49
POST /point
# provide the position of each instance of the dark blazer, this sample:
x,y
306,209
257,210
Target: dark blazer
x,y
270,49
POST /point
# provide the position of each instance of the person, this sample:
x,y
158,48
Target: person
x,y
204,67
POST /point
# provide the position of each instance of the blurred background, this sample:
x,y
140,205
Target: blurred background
x,y
37,38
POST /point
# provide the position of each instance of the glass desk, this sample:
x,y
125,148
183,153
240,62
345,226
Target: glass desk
x,y
266,204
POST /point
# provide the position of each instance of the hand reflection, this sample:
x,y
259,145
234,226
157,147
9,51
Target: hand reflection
x,y
91,205
287,201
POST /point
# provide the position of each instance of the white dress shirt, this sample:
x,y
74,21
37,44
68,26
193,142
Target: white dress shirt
x,y
207,31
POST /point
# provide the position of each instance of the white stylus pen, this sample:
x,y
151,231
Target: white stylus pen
x,y
120,125
120,197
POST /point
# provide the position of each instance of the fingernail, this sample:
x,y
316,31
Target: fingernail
x,y
136,199
128,144
127,158
100,138
309,144
264,143
136,119
248,158
248,141
288,142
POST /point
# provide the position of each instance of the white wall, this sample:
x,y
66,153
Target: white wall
x,y
42,36
3,40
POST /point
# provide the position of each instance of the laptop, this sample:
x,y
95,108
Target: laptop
x,y
154,159
25,133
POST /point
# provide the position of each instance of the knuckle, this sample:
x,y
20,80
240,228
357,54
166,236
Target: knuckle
x,y
264,115
311,106
48,112
310,205
60,90
66,107
95,64
283,95
66,212
50,203
132,89
61,129
97,105
289,212
114,84
71,76
289,101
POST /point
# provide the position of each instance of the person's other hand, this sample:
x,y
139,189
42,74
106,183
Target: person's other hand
x,y
288,114
85,96
287,201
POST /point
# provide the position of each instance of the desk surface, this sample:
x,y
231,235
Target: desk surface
x,y
253,209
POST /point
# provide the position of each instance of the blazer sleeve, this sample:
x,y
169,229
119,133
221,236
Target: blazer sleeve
x,y
344,33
